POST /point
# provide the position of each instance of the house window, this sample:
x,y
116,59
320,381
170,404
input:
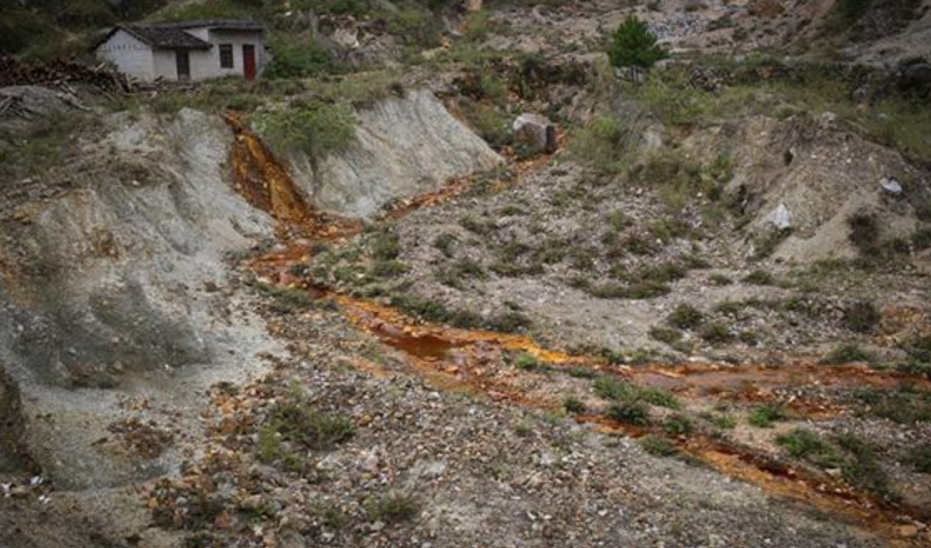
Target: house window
x,y
226,56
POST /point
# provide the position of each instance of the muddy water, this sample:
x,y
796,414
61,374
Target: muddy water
x,y
474,360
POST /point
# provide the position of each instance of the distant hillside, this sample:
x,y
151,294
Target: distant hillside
x,y
41,27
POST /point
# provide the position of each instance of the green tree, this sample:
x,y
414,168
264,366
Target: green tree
x,y
634,45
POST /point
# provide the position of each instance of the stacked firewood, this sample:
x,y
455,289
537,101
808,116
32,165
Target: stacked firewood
x,y
14,72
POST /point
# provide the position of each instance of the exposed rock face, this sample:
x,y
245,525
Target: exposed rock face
x,y
405,146
822,175
11,425
102,288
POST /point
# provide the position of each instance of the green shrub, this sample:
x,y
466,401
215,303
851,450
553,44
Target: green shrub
x,y
633,413
677,425
600,144
863,233
445,242
847,353
807,445
573,405
298,57
299,422
665,335
760,277
685,316
659,398
634,45
862,317
862,468
314,128
658,446
763,416
391,508
611,388
415,26
527,362
386,246
725,422
716,333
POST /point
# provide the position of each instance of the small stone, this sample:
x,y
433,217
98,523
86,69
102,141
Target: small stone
x,y
890,185
781,217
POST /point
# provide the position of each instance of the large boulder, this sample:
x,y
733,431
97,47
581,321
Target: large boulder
x,y
534,133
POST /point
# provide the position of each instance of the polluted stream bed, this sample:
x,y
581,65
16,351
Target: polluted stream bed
x,y
474,360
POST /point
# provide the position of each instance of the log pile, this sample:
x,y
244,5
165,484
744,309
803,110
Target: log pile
x,y
61,72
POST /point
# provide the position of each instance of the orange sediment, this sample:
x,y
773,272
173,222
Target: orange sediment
x,y
460,359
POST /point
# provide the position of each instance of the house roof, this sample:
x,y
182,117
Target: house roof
x,y
218,24
162,37
173,35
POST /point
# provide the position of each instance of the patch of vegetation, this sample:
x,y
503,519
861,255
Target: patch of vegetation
x,y
677,425
864,233
391,508
634,45
47,143
768,244
445,243
720,280
809,446
640,290
464,268
666,335
388,269
299,57
601,144
716,333
724,422
286,300
760,277
314,128
847,353
574,405
685,316
862,468
300,422
632,413
920,458
614,389
903,406
763,416
527,362
581,373
658,446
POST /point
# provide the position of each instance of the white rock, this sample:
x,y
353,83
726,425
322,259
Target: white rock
x,y
781,217
890,185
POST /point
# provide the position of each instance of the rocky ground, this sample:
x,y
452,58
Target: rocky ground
x,y
702,320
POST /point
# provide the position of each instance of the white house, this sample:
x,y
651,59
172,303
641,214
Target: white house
x,y
186,51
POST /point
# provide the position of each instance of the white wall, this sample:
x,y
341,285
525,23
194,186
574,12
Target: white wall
x,y
206,64
166,64
137,59
130,56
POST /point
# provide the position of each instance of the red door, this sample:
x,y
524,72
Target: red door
x,y
248,61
